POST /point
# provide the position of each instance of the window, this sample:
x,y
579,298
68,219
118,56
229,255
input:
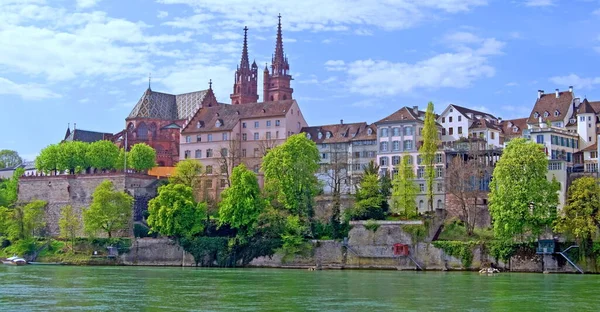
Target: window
x,y
395,160
396,145
209,139
319,135
223,183
408,130
459,130
439,172
440,205
384,132
540,138
536,115
420,131
224,136
256,152
594,154
209,153
244,137
244,125
369,131
450,119
421,189
440,187
419,159
256,124
198,138
188,139
408,145
209,170
546,114
328,134
244,152
384,146
443,119
492,135
438,158
268,135
556,113
323,155
268,123
372,154
198,125
450,131
383,161
255,136
409,160
443,131
420,172
218,123
459,118
187,154
298,126
277,123
224,152
589,125
396,131
209,183
582,118
589,118
554,166
198,154
256,168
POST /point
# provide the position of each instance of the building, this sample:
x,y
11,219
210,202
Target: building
x,y
85,135
400,135
513,128
461,122
345,149
222,136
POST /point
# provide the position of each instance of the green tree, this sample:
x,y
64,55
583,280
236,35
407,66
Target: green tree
x,y
72,156
9,159
428,150
241,203
522,200
385,188
110,210
120,161
9,188
404,194
69,224
23,221
188,173
175,213
293,237
34,213
102,155
141,157
581,214
48,159
289,171
371,168
368,200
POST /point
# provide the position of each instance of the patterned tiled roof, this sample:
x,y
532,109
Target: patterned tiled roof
x,y
229,115
166,106
549,103
363,133
87,136
338,133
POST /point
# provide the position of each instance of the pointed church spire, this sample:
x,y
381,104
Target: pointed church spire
x,y
245,83
245,63
280,65
149,80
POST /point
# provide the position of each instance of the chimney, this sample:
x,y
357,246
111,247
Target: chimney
x,y
341,121
556,92
74,126
571,89
540,122
540,92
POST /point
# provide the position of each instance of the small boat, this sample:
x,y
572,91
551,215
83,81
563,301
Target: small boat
x,y
14,260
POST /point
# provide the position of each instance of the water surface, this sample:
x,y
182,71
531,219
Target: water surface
x,y
43,288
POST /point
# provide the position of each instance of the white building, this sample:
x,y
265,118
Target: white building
x,y
461,122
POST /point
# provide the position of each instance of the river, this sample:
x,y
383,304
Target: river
x,y
43,288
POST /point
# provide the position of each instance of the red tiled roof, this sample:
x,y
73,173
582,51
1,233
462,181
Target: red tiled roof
x,y
549,103
465,111
508,126
403,114
593,147
481,123
337,133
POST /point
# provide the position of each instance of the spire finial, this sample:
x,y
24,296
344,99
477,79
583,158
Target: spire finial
x,y
149,79
210,84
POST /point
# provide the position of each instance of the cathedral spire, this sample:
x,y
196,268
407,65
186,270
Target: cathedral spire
x,y
280,65
245,63
246,78
276,85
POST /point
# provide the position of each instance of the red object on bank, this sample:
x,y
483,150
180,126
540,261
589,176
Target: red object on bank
x,y
401,250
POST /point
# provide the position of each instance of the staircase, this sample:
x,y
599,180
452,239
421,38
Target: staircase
x,y
562,253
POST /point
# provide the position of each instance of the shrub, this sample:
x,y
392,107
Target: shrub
x,y
372,225
460,250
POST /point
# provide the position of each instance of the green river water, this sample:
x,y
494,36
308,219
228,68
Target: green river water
x,y
61,288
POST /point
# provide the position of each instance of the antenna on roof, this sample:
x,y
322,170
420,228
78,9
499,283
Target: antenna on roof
x,y
210,84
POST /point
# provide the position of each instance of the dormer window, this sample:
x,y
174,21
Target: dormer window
x,y
546,114
198,125
320,135
515,129
369,131
308,136
328,134
536,115
556,113
218,123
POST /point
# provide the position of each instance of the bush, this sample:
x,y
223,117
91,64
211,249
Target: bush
x,y
140,230
418,232
371,225
225,252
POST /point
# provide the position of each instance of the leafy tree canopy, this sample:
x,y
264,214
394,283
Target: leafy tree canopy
x,y
110,210
428,150
102,155
174,213
522,200
368,204
404,194
142,157
48,159
9,188
72,156
581,214
9,159
187,172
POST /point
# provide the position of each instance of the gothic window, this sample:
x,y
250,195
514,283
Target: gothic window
x,y
142,131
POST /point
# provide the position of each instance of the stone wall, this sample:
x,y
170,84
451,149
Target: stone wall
x,y
77,190
157,252
324,206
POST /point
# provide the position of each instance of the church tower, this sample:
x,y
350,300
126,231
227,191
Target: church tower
x,y
277,83
245,87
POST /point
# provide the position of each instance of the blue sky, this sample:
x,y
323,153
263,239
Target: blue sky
x,y
87,61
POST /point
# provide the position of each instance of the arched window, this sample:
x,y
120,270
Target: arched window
x,y
440,205
285,97
271,98
142,131
320,135
420,204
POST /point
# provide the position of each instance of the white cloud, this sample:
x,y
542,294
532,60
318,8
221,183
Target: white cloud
x,y
576,81
86,4
335,65
512,84
332,15
162,14
226,35
83,101
26,91
454,70
539,3
363,32
596,12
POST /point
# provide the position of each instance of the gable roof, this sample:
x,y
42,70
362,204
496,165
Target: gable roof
x,y
228,115
363,133
585,108
548,102
87,136
339,132
403,114
595,106
508,126
482,123
467,111
166,106
591,148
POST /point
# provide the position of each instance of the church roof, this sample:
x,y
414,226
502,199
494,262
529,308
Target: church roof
x,y
228,115
158,105
87,136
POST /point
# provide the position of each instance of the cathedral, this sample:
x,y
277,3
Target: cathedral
x,y
158,119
